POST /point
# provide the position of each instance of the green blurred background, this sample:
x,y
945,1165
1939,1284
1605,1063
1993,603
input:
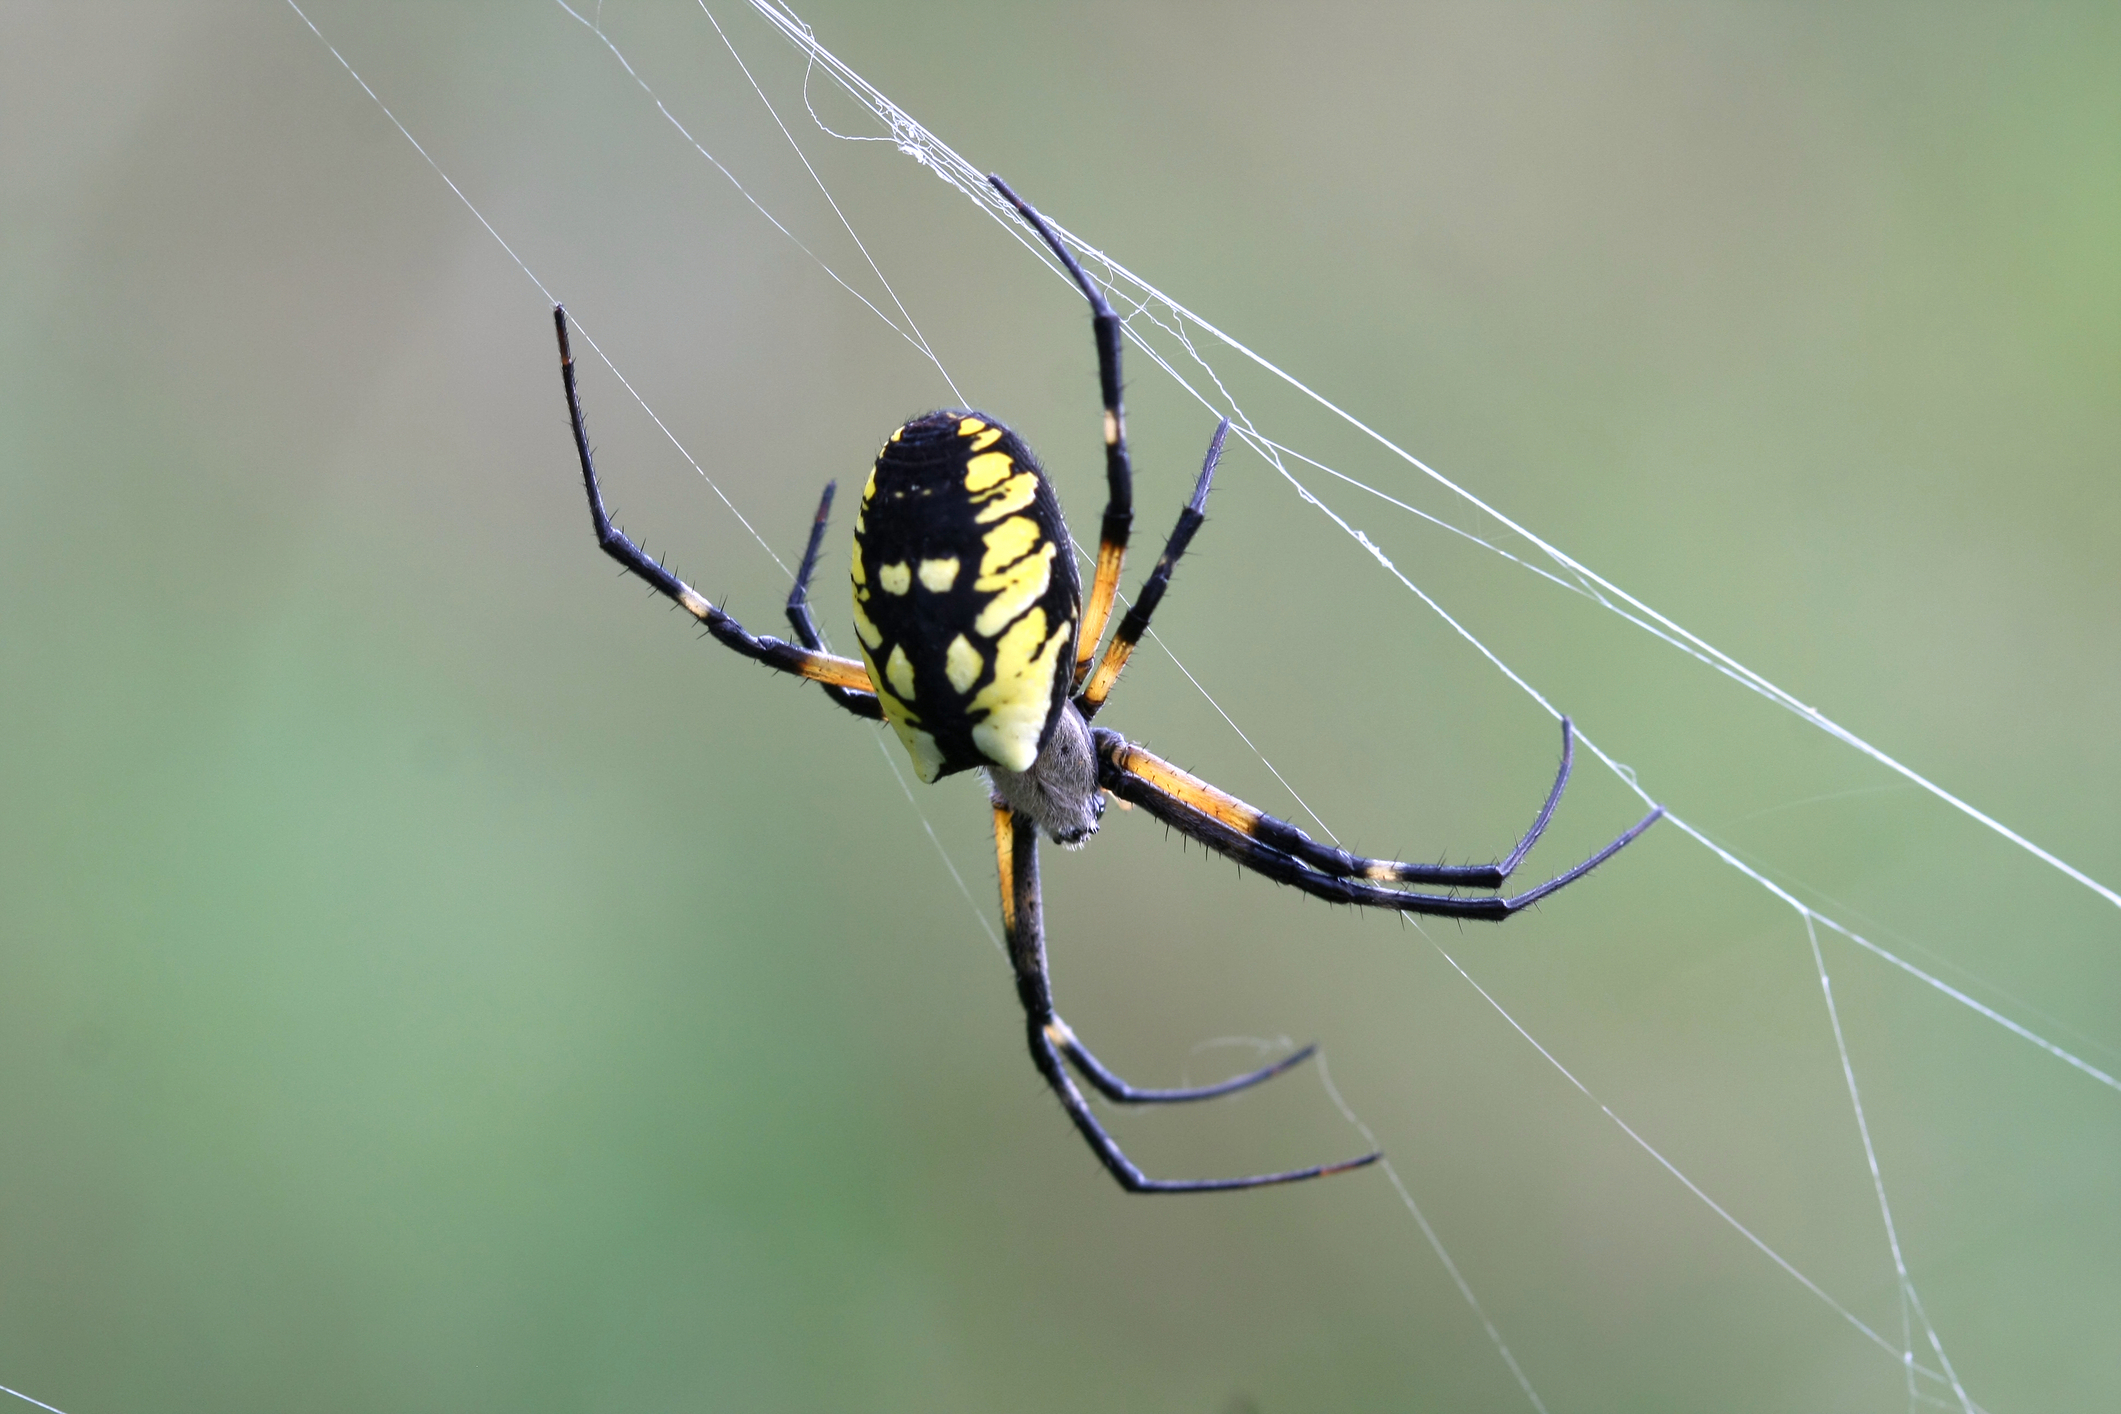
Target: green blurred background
x,y
430,980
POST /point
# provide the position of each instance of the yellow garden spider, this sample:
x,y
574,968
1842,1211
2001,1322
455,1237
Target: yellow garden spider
x,y
979,651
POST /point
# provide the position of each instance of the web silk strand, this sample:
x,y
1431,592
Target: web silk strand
x,y
27,1400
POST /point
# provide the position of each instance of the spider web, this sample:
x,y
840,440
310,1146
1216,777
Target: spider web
x,y
1194,354
1209,366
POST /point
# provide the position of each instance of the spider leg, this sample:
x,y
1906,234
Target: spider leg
x,y
1119,471
862,704
1136,622
1282,852
1016,852
1120,1092
799,616
843,673
1339,863
1123,1168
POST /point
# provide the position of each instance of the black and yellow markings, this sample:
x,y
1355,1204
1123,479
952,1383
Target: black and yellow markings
x,y
1108,671
1111,559
894,579
962,664
805,663
1020,698
1167,785
997,485
867,631
965,597
1016,570
1005,865
1136,623
1112,535
835,672
898,671
1187,788
1104,588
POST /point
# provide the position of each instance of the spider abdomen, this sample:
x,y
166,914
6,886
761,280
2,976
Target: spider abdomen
x,y
966,599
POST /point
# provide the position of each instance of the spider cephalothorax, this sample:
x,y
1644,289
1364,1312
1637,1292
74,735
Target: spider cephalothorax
x,y
980,650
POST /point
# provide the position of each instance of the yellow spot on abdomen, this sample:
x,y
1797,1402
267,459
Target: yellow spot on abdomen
x,y
962,664
1015,494
938,575
1009,541
986,439
920,745
987,469
969,426
1017,701
927,756
895,579
867,630
899,669
1015,589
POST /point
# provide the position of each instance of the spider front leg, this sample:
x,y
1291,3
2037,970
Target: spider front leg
x,y
847,679
1136,623
1016,852
1119,470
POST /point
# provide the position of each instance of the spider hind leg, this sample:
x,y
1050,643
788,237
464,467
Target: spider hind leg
x,y
1113,1088
1124,1169
1016,854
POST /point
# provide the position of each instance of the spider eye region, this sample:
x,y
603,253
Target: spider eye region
x,y
965,594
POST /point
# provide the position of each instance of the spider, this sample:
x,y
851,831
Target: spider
x,y
978,649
